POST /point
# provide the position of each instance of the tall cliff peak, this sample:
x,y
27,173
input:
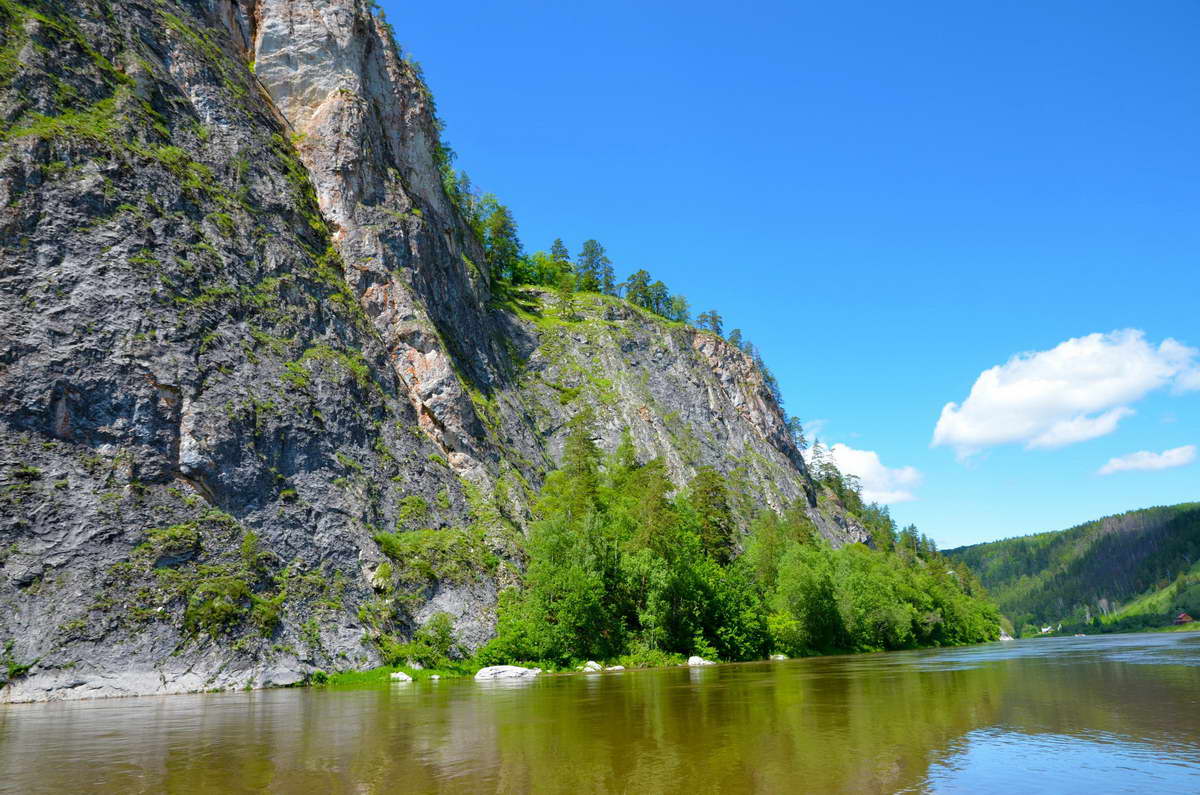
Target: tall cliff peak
x,y
244,331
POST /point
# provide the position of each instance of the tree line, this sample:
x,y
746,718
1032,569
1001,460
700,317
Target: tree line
x,y
590,271
623,567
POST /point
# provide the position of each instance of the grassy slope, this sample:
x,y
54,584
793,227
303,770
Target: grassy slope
x,y
1162,600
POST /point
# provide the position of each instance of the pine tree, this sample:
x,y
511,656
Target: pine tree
x,y
659,298
637,288
559,252
589,267
711,321
796,430
653,512
768,377
565,292
708,497
500,241
830,472
580,466
816,459
462,192
608,280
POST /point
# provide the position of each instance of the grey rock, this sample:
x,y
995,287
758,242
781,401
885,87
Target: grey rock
x,y
505,672
281,677
696,661
243,331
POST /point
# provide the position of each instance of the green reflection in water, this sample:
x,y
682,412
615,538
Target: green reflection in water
x,y
981,717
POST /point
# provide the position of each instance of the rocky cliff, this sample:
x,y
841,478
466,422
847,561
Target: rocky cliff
x,y
243,333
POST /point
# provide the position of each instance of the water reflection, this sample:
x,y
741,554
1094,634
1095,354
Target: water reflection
x,y
1118,710
1065,764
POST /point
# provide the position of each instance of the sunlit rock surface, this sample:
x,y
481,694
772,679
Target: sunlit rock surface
x,y
243,332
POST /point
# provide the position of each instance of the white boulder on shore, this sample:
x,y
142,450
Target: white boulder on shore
x,y
615,668
591,666
400,676
505,672
695,661
779,656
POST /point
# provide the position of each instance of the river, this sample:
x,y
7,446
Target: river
x,y
1096,714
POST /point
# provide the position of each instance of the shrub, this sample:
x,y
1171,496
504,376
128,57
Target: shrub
x,y
413,510
432,646
175,542
217,604
451,555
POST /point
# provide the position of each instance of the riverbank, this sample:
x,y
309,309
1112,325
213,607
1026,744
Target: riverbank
x,y
1192,627
383,675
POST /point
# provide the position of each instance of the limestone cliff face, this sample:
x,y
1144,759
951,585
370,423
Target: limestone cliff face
x,y
364,128
243,332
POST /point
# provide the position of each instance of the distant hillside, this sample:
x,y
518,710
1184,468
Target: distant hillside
x,y
1131,570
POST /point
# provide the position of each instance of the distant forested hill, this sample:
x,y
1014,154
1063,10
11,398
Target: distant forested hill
x,y
1132,570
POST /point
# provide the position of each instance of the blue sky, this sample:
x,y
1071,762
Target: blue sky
x,y
889,199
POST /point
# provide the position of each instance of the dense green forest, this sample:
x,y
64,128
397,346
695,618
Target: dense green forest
x,y
1125,572
622,569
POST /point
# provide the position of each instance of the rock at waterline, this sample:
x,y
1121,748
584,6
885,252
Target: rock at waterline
x,y
696,661
506,672
281,677
434,676
400,676
591,666
779,657
615,668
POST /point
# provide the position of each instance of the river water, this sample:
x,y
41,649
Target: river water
x,y
1104,714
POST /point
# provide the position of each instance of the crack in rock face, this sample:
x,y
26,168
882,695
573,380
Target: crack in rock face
x,y
365,131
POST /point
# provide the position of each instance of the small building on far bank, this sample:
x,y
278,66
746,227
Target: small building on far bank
x,y
1183,618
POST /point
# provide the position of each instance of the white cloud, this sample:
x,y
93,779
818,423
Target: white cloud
x,y
879,483
1080,429
1146,460
814,428
1079,390
1188,380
